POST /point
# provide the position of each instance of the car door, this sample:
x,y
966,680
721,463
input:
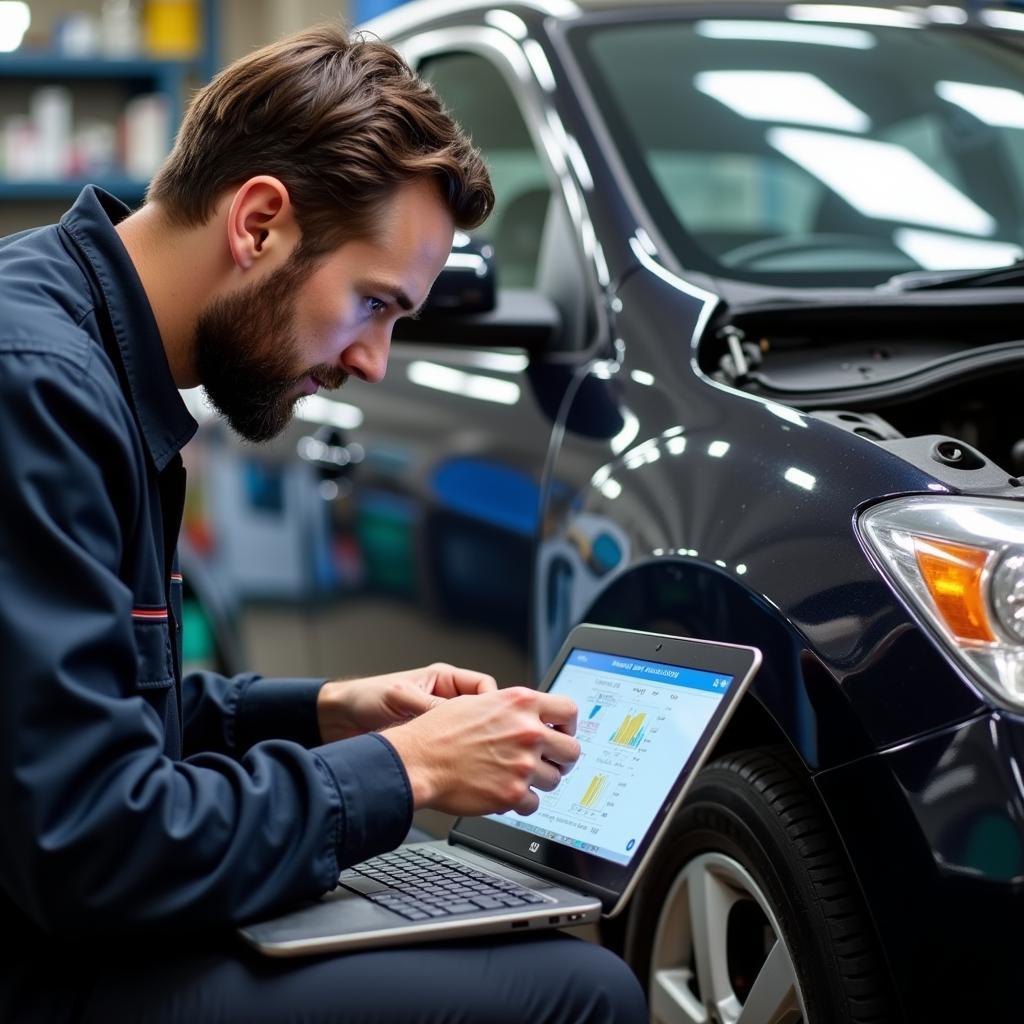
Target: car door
x,y
445,503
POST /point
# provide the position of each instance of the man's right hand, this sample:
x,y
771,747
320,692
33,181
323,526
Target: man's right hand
x,y
485,753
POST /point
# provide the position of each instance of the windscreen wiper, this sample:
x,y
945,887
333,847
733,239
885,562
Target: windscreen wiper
x,y
934,280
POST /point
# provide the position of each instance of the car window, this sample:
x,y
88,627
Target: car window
x,y
817,154
481,101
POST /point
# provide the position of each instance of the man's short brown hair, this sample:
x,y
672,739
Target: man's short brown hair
x,y
340,121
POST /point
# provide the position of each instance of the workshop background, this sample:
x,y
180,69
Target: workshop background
x,y
93,91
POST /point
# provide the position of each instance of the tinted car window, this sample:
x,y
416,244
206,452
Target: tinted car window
x,y
799,153
480,99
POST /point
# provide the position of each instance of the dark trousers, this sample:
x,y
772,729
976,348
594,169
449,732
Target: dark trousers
x,y
553,979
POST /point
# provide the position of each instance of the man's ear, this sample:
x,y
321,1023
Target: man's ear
x,y
261,223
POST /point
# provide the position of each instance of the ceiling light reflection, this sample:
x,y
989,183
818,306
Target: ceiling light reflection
x,y
641,455
882,180
854,15
507,22
579,163
457,382
503,362
408,15
942,14
627,435
1012,20
785,413
646,242
611,489
934,250
642,377
539,62
718,448
675,445
783,32
328,411
795,97
467,261
991,104
800,479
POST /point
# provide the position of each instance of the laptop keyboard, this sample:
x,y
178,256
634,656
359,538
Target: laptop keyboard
x,y
421,884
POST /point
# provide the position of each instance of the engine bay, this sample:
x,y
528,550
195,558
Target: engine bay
x,y
884,377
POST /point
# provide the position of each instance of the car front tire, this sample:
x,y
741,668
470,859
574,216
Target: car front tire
x,y
750,914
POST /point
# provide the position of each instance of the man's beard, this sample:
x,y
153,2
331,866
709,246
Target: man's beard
x,y
247,354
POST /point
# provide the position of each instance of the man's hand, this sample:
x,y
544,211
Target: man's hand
x,y
351,707
488,753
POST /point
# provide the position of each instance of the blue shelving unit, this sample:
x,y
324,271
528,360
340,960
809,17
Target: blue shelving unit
x,y
42,64
136,74
128,190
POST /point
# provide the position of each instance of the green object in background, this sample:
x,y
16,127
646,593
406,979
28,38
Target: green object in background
x,y
196,634
385,536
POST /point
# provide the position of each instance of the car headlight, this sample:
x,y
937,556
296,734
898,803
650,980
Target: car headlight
x,y
960,562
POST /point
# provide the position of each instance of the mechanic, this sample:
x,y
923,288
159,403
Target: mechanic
x,y
309,202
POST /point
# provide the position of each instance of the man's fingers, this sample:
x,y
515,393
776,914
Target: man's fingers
x,y
450,681
485,684
547,776
410,701
561,749
558,711
528,804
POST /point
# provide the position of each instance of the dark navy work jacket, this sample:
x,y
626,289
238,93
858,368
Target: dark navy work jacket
x,y
129,796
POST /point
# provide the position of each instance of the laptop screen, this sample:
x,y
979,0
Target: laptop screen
x,y
639,722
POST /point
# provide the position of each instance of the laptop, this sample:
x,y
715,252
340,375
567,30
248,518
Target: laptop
x,y
650,710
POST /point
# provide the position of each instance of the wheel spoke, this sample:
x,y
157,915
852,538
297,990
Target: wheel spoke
x,y
773,996
710,900
672,1001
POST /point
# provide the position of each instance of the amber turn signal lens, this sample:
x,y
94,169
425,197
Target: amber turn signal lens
x,y
952,573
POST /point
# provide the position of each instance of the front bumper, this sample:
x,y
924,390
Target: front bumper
x,y
935,831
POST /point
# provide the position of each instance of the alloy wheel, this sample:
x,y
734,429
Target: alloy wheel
x,y
719,955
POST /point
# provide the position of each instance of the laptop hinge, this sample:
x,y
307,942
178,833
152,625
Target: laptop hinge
x,y
608,897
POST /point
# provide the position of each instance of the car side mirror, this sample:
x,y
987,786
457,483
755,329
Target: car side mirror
x,y
467,283
465,306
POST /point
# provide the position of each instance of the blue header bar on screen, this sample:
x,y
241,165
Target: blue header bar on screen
x,y
651,671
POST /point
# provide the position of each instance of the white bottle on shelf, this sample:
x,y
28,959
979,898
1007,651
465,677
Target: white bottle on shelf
x,y
19,148
147,131
50,113
120,28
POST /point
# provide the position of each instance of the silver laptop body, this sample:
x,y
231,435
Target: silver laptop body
x,y
650,710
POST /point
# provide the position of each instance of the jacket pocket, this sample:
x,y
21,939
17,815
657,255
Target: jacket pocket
x,y
155,666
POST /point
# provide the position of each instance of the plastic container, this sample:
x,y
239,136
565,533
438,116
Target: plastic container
x,y
171,28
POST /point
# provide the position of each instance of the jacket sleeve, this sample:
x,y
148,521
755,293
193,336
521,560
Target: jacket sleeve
x,y
101,829
230,714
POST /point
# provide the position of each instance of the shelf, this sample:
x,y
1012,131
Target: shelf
x,y
126,189
55,65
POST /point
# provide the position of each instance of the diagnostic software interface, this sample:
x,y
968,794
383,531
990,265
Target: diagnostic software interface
x,y
639,721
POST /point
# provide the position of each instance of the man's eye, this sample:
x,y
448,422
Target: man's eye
x,y
375,306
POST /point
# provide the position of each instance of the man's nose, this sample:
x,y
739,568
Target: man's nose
x,y
367,357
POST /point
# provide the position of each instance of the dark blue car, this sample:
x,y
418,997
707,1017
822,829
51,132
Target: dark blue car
x,y
752,372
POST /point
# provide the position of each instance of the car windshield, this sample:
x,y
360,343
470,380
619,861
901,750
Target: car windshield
x,y
814,153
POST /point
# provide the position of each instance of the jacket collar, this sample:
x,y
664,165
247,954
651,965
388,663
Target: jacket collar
x,y
163,418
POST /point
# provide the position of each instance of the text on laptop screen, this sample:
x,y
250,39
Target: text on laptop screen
x,y
639,721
